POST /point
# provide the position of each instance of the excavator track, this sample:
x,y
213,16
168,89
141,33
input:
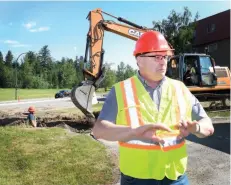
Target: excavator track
x,y
218,106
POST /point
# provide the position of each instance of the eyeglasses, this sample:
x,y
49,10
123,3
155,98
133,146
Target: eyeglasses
x,y
157,57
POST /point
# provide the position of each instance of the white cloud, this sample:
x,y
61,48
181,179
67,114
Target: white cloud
x,y
29,25
33,30
75,48
11,42
14,43
46,28
40,29
20,45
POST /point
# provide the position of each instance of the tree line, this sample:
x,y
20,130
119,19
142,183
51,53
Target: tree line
x,y
41,70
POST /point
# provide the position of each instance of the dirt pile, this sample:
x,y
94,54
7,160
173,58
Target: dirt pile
x,y
75,124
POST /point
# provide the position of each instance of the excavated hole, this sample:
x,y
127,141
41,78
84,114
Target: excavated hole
x,y
74,124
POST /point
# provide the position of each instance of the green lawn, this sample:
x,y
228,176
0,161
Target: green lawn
x,y
9,94
52,156
102,90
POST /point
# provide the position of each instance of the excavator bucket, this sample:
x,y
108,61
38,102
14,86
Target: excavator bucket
x,y
81,96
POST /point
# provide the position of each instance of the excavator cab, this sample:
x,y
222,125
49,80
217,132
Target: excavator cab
x,y
193,69
198,73
208,77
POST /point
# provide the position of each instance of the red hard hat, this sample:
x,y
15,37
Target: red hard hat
x,y
31,109
152,41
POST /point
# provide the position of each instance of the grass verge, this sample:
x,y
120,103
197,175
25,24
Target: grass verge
x,y
51,156
219,114
70,111
9,94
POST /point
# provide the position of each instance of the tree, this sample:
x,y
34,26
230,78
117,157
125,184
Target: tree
x,y
129,72
1,58
38,69
6,77
6,71
1,70
31,57
109,79
178,29
45,57
66,73
79,65
46,64
39,83
120,73
9,59
26,74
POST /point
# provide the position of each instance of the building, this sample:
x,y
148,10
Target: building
x,y
212,35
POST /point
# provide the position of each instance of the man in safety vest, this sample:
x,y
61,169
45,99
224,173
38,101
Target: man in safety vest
x,y
149,115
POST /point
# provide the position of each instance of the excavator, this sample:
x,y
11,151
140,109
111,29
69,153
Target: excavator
x,y
204,83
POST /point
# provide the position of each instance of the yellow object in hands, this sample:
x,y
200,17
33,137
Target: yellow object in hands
x,y
170,138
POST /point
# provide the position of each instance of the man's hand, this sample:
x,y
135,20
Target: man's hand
x,y
148,132
187,127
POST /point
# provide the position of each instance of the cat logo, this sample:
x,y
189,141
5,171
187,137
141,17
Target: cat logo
x,y
134,33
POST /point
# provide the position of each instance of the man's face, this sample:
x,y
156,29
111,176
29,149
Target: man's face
x,y
152,66
189,66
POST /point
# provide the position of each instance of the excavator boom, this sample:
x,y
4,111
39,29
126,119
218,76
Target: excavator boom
x,y
94,71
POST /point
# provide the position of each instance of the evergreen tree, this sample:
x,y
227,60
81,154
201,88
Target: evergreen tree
x,y
9,59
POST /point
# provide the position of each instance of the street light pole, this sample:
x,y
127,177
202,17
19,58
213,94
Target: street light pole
x,y
16,77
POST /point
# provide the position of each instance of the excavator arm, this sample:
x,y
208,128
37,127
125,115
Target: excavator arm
x,y
94,71
94,51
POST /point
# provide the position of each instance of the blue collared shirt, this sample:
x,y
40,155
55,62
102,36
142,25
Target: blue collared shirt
x,y
110,107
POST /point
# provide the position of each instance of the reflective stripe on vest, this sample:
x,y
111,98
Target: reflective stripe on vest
x,y
146,160
133,117
131,100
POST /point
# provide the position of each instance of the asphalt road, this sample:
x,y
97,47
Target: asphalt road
x,y
40,104
207,166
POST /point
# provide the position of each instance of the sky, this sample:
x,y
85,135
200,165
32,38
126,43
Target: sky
x,y
29,25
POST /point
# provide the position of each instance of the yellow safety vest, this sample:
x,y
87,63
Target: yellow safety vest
x,y
149,160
